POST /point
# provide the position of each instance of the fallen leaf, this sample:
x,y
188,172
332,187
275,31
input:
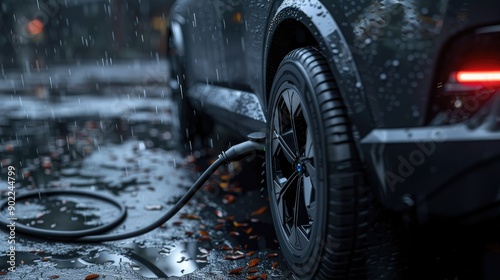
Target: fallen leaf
x,y
54,277
224,177
259,211
218,213
225,248
177,223
228,198
190,216
263,276
218,226
237,270
189,233
275,264
235,190
236,224
253,263
272,255
230,218
46,259
248,231
234,233
252,270
252,277
234,257
91,276
223,185
3,272
253,236
204,238
250,253
204,233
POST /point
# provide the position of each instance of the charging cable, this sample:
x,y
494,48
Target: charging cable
x,y
254,145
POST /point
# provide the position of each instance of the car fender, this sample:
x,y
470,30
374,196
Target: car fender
x,y
334,46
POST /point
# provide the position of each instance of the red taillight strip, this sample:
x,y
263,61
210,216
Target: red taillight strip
x,y
478,76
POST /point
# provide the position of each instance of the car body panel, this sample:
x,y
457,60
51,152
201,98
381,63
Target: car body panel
x,y
384,55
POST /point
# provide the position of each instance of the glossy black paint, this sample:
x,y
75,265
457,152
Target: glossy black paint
x,y
386,57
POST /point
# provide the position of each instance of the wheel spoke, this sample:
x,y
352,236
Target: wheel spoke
x,y
312,207
287,150
298,238
285,184
285,198
276,120
308,191
292,102
311,172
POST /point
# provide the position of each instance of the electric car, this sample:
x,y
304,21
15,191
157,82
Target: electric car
x,y
369,108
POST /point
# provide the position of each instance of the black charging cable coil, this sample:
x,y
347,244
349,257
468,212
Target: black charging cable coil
x,y
255,145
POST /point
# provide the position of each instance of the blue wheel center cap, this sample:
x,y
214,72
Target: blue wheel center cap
x,y
299,167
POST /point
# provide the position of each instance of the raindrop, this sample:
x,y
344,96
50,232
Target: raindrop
x,y
383,76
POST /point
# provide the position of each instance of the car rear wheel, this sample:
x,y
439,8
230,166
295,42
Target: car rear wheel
x,y
317,190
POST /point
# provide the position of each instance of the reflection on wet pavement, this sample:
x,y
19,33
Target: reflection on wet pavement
x,y
64,213
125,146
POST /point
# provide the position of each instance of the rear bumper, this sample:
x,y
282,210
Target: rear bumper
x,y
442,171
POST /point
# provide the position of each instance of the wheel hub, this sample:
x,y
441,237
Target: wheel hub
x,y
293,169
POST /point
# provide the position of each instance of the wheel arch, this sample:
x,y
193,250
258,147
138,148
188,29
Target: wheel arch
x,y
295,24
175,30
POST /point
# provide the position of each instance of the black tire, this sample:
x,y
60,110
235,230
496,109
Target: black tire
x,y
317,188
194,126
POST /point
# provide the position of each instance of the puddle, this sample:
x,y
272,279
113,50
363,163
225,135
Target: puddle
x,y
176,259
172,260
64,212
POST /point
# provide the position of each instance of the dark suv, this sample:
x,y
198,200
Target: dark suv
x,y
369,107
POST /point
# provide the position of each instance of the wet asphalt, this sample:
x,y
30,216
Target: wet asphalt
x,y
123,143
